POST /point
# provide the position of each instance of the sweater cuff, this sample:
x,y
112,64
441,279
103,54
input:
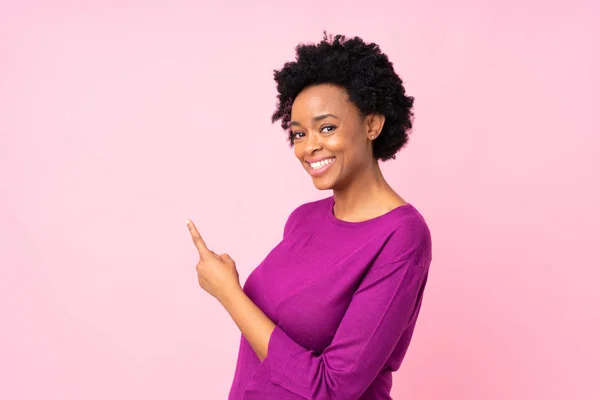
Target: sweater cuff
x,y
285,373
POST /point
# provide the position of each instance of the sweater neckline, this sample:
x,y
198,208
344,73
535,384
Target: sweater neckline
x,y
332,218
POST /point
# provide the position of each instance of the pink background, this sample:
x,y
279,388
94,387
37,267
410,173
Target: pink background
x,y
120,119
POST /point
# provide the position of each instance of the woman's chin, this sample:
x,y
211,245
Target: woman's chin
x,y
322,184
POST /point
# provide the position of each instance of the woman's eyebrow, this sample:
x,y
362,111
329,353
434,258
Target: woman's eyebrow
x,y
315,119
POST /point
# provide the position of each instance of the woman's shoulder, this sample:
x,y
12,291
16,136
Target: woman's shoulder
x,y
306,211
407,235
310,207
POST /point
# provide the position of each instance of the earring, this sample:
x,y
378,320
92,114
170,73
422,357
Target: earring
x,y
372,136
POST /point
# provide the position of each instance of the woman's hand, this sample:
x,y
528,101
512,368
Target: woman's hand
x,y
217,273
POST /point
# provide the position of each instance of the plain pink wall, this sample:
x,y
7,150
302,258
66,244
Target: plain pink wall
x,y
120,119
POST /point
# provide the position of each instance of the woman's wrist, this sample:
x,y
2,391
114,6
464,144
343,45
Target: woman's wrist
x,y
229,297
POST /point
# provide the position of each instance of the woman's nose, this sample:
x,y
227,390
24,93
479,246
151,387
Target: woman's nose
x,y
313,143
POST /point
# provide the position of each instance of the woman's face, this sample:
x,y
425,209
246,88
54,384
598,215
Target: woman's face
x,y
331,138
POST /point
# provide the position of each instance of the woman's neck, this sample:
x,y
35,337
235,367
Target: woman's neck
x,y
367,196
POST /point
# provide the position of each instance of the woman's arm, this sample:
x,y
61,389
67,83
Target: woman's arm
x,y
254,324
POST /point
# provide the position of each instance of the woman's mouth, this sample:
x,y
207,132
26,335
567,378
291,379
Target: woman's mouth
x,y
319,167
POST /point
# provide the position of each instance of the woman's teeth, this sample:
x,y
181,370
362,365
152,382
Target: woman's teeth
x,y
321,163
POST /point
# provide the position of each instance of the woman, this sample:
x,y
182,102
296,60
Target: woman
x,y
330,312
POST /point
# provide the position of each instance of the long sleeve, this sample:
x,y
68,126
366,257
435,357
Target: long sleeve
x,y
383,305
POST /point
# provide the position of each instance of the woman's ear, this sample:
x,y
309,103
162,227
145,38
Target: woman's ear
x,y
374,125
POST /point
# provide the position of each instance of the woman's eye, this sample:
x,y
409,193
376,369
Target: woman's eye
x,y
328,128
296,135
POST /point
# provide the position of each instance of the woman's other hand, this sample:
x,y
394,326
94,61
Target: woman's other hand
x,y
217,273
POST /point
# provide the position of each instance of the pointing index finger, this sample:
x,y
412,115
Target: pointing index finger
x,y
198,241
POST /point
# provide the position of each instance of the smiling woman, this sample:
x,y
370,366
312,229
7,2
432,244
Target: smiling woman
x,y
330,134
331,310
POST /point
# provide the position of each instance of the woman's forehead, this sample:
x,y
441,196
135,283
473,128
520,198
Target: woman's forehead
x,y
322,99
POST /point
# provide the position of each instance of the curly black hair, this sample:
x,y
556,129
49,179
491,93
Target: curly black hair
x,y
366,74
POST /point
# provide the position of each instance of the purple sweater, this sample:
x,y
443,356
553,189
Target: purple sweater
x,y
344,296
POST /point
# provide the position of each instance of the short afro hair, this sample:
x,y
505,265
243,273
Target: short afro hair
x,y
366,74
